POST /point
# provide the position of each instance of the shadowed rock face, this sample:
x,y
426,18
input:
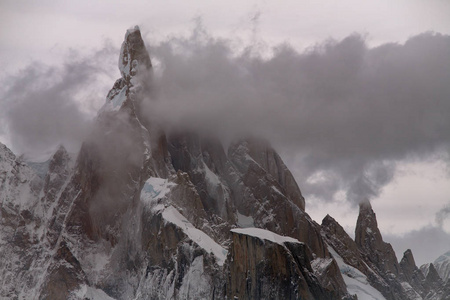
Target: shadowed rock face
x,y
133,55
264,155
260,268
369,240
376,260
335,235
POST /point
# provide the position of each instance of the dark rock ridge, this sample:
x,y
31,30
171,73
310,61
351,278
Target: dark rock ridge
x,y
266,265
442,266
376,260
144,215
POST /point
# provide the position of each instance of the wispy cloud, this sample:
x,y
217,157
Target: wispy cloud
x,y
349,112
344,113
43,105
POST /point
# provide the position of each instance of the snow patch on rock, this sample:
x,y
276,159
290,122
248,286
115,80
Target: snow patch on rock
x,y
172,215
155,189
244,221
356,281
89,293
195,282
265,235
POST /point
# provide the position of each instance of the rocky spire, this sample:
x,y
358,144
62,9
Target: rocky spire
x,y
367,233
412,274
336,236
433,276
261,152
133,60
408,265
133,55
369,240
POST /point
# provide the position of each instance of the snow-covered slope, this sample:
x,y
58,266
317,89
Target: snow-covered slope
x,y
442,265
356,281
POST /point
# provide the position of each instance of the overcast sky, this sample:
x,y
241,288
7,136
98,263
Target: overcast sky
x,y
354,95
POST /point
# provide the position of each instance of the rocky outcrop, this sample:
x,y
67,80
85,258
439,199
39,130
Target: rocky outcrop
x,y
265,265
352,255
369,240
442,266
65,275
280,214
20,221
376,261
335,235
265,156
412,274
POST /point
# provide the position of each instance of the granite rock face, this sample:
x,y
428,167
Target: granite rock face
x,y
374,259
265,265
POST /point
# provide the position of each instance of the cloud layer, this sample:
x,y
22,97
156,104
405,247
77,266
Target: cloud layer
x,y
44,106
349,113
342,113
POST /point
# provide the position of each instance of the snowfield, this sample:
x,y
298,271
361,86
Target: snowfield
x,y
356,281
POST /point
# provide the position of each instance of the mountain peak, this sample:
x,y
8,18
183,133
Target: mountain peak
x,y
366,224
133,54
133,60
365,205
408,265
368,238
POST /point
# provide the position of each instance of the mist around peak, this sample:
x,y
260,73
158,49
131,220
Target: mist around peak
x,y
343,113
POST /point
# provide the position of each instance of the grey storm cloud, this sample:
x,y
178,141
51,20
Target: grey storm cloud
x,y
43,105
341,111
442,215
434,241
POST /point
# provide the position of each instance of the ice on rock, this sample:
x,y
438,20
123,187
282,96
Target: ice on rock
x,y
90,293
132,59
355,280
245,221
119,99
155,188
265,235
133,54
172,215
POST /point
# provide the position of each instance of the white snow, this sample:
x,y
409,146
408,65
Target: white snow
x,y
87,292
157,188
116,102
195,284
320,264
124,65
277,190
265,235
119,99
363,291
211,176
172,215
410,292
124,61
248,158
425,268
96,264
442,265
355,280
154,189
244,221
